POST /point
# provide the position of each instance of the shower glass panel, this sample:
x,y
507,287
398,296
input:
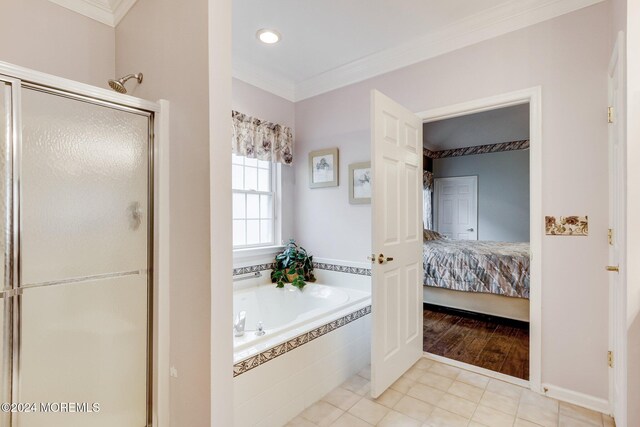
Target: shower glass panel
x,y
85,250
85,342
84,189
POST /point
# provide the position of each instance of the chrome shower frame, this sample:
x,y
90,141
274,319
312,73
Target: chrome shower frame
x,y
17,79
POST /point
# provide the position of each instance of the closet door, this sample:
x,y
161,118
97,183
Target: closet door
x,y
84,262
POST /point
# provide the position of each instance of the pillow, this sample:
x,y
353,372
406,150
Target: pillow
x,y
432,235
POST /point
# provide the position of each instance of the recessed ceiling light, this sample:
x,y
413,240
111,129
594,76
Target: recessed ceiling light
x,y
268,36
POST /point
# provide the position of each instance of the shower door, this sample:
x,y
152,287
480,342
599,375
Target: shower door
x,y
81,293
6,303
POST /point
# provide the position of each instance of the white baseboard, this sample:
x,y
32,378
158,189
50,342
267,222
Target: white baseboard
x,y
576,398
478,370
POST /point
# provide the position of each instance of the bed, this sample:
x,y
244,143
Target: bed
x,y
499,268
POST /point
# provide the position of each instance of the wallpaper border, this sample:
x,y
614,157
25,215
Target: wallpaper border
x,y
479,149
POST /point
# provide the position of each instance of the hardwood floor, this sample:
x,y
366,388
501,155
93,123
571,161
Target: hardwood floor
x,y
496,345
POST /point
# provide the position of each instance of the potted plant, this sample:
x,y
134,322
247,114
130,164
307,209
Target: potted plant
x,y
293,265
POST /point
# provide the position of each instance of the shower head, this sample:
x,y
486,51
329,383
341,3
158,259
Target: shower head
x,y
118,85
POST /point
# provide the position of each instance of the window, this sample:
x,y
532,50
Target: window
x,y
254,199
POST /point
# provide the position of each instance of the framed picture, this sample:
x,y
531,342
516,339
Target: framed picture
x,y
360,183
323,168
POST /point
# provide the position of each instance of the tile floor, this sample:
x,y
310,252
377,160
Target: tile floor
x,y
433,394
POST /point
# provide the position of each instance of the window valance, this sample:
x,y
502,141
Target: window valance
x,y
262,140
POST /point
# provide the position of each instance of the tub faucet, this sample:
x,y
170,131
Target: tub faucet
x,y
260,332
238,323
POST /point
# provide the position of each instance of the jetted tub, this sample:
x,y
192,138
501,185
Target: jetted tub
x,y
288,312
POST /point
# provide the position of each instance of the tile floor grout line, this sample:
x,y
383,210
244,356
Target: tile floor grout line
x,y
507,393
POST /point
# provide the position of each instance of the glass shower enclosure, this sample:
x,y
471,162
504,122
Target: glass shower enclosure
x,y
76,205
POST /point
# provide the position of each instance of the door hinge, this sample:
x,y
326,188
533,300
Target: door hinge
x,y
610,115
610,236
610,358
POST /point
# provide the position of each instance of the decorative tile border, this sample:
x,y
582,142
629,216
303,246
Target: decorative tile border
x,y
479,149
342,268
566,225
319,265
268,355
252,268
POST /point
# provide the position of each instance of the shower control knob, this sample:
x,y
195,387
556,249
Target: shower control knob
x,y
260,332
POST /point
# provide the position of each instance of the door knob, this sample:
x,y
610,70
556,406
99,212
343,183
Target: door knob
x,y
469,229
382,259
613,268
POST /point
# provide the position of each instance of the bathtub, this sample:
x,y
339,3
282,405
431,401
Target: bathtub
x,y
316,339
288,312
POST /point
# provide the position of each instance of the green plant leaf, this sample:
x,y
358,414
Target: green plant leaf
x,y
293,260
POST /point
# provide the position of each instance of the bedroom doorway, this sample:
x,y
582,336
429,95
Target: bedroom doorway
x,y
481,288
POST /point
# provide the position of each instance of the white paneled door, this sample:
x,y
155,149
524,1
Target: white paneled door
x,y
617,236
456,207
396,153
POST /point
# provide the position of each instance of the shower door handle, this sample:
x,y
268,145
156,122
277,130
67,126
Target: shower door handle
x,y
135,215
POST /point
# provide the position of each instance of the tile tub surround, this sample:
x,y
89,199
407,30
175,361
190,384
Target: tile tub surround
x,y
271,353
431,394
275,392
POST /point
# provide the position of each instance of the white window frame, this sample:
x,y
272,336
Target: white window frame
x,y
246,252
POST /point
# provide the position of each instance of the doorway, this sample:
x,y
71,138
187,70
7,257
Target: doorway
x,y
476,253
531,97
381,301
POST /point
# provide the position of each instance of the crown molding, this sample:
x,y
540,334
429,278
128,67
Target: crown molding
x,y
108,12
493,22
263,79
121,9
490,23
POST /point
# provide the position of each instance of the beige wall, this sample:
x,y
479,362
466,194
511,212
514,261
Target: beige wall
x,y
168,43
43,36
568,57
